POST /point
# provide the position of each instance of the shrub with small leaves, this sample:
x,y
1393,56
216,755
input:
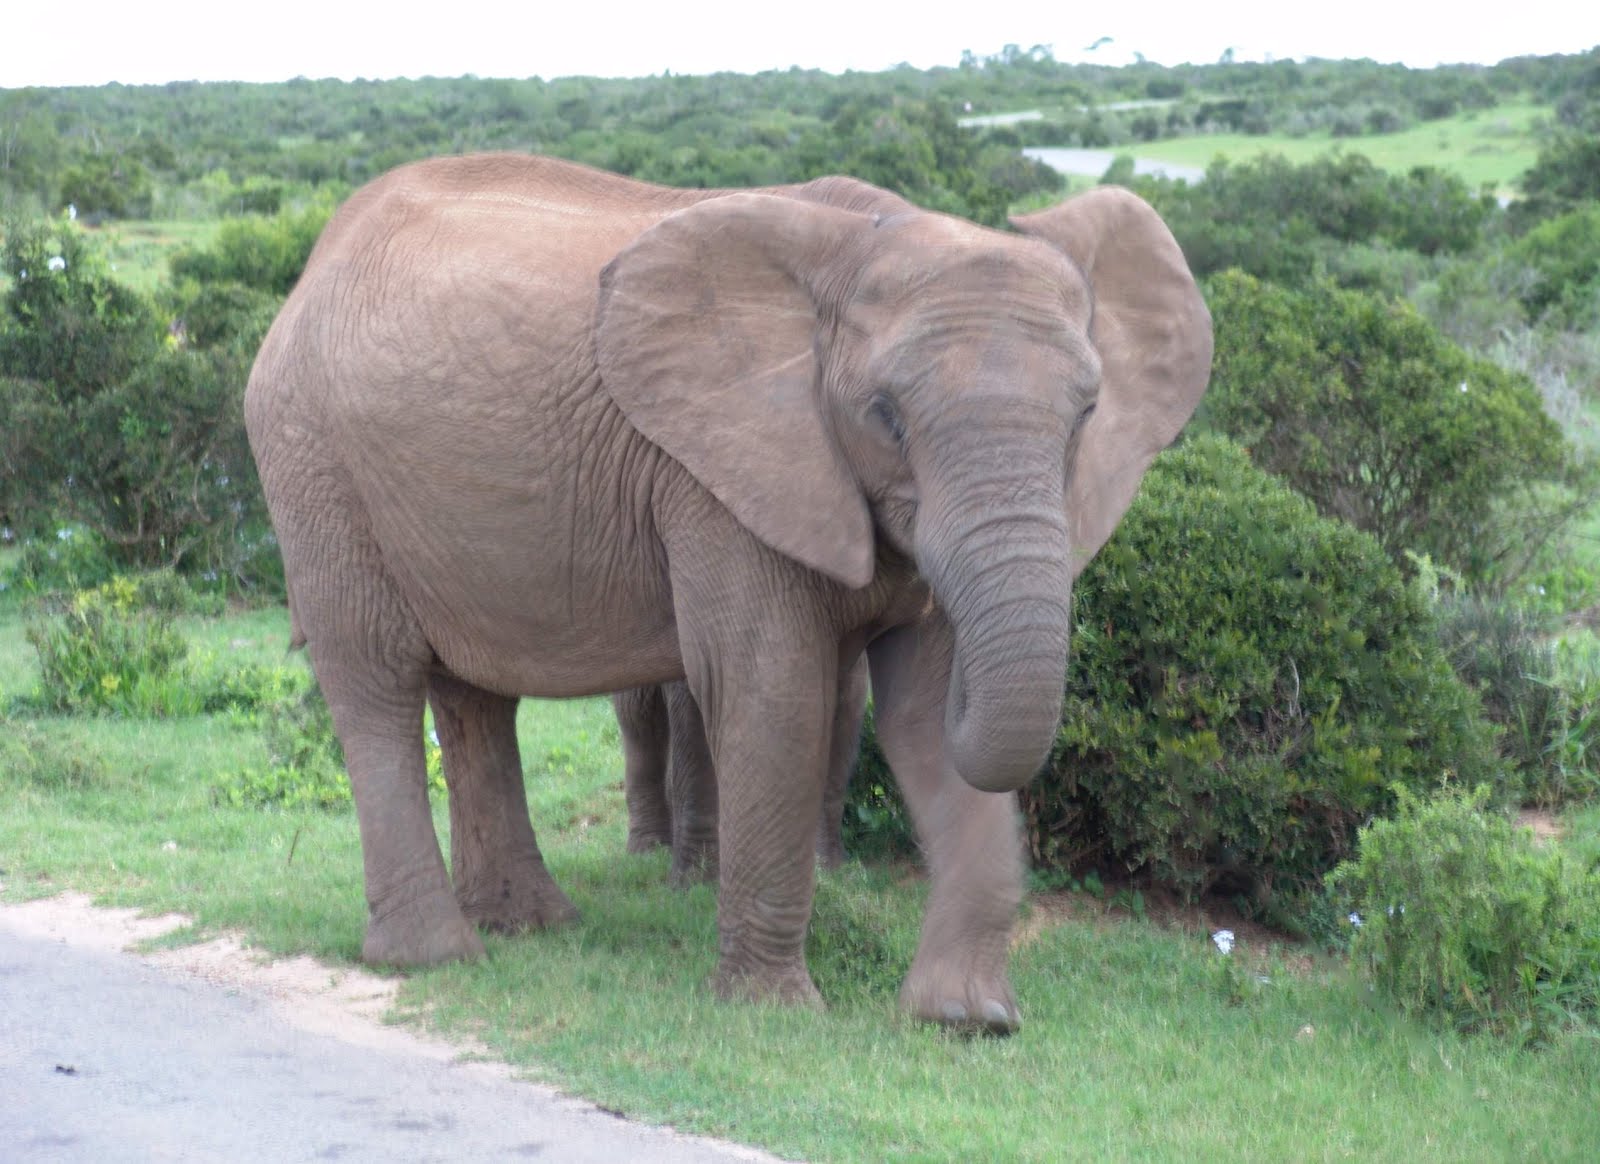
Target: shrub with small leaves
x,y
1462,915
1361,405
72,557
102,649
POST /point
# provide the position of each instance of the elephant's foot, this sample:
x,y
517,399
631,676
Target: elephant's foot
x,y
647,839
789,984
954,996
694,862
421,932
525,897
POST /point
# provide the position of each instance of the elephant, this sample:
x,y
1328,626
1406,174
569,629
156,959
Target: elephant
x,y
529,429
671,787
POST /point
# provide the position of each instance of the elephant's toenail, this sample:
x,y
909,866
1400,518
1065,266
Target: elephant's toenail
x,y
995,1014
953,1012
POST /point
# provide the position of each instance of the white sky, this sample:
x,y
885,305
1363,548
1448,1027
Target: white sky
x,y
92,42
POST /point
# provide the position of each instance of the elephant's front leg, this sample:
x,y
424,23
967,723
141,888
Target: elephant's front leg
x,y
500,876
971,840
768,709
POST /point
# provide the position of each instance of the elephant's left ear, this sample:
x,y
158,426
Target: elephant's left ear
x,y
706,339
1153,333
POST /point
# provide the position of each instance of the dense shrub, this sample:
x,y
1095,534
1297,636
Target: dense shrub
x,y
1562,260
1289,223
114,420
267,254
68,558
1358,403
1461,915
1247,682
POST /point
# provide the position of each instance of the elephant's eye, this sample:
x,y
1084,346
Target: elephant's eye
x,y
884,413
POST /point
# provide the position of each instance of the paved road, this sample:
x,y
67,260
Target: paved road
x,y
106,1058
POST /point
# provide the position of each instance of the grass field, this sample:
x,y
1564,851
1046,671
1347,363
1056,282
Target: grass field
x,y
1140,1042
138,251
1491,146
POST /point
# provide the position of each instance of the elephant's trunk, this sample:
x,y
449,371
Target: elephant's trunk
x,y
995,551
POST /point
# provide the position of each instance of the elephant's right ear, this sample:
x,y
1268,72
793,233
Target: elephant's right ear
x,y
706,339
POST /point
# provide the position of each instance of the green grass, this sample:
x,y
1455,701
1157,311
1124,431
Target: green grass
x,y
1491,146
1139,1042
138,251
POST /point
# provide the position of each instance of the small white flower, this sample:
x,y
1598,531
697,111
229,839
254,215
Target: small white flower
x,y
72,212
1224,940
57,263
170,846
1394,909
1463,385
209,576
1355,920
64,533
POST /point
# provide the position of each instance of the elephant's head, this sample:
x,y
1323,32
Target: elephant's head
x,y
850,384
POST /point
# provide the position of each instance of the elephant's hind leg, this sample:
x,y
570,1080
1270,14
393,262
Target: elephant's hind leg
x,y
500,877
375,689
691,790
642,720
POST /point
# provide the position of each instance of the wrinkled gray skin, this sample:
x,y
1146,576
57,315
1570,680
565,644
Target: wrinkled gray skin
x,y
671,786
530,429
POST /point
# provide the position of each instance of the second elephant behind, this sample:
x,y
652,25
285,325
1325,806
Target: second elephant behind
x,y
670,781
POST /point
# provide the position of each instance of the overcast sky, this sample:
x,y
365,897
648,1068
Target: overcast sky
x,y
92,42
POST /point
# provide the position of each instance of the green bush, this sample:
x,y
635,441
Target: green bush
x,y
1247,681
102,650
1562,257
1463,916
264,253
114,419
1547,708
73,557
1292,223
1358,403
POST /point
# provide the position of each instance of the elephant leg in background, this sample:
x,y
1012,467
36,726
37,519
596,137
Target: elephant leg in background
x,y
844,747
691,790
500,877
671,787
642,720
972,840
